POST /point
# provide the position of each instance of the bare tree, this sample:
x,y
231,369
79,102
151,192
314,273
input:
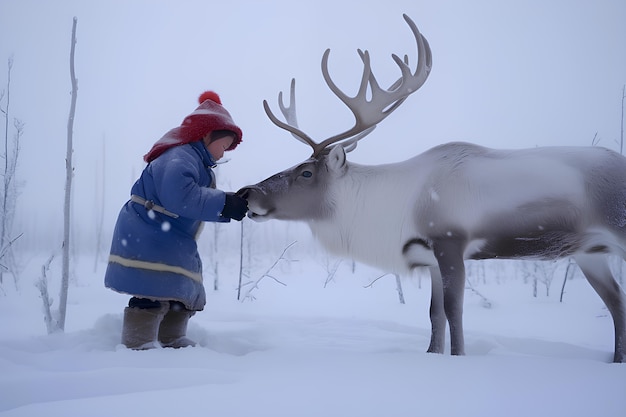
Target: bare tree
x,y
543,272
9,190
55,321
52,324
6,254
252,285
476,270
399,289
331,267
213,255
569,273
69,171
529,271
621,138
99,199
241,272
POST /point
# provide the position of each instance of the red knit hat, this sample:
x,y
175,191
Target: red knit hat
x,y
209,116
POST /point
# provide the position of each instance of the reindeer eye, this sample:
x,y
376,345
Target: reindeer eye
x,y
307,174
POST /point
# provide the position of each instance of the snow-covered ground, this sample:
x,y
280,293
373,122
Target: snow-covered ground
x,y
306,349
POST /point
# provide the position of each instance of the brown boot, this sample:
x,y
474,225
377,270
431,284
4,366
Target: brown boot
x,y
141,326
174,327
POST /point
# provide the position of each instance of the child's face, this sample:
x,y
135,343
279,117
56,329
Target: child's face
x,y
217,147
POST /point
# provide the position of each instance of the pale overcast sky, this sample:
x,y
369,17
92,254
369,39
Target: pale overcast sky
x,y
507,74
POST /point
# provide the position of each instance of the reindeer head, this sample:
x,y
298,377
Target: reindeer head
x,y
302,192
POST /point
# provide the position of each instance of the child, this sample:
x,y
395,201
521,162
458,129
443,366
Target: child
x,y
154,256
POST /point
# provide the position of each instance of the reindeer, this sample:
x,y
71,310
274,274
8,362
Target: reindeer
x,y
454,202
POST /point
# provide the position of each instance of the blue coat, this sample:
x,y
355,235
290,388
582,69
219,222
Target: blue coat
x,y
154,255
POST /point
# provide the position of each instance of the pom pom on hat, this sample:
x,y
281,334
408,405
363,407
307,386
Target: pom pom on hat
x,y
209,95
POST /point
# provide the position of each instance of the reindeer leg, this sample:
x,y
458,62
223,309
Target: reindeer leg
x,y
437,313
596,269
449,254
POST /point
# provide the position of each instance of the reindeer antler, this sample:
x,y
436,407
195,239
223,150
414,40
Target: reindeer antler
x,y
367,112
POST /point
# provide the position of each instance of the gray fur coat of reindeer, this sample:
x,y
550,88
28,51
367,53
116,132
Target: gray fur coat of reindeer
x,y
454,202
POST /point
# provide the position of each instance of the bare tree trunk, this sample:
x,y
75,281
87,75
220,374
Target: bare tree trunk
x,y
621,141
3,223
68,188
9,187
241,236
52,326
399,289
570,266
215,257
100,194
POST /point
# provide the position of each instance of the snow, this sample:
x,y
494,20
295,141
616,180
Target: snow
x,y
310,349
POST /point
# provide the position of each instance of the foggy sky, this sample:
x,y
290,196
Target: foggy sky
x,y
508,74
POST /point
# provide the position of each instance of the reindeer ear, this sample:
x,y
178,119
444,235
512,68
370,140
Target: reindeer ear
x,y
336,158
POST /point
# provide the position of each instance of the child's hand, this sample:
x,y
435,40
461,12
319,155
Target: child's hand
x,y
235,207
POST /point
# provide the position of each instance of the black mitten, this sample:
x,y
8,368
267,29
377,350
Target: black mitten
x,y
235,207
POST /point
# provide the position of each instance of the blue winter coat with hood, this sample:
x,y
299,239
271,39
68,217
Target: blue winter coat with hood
x,y
154,255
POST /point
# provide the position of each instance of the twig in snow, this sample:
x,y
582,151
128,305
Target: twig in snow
x,y
331,271
255,284
486,302
398,286
371,284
